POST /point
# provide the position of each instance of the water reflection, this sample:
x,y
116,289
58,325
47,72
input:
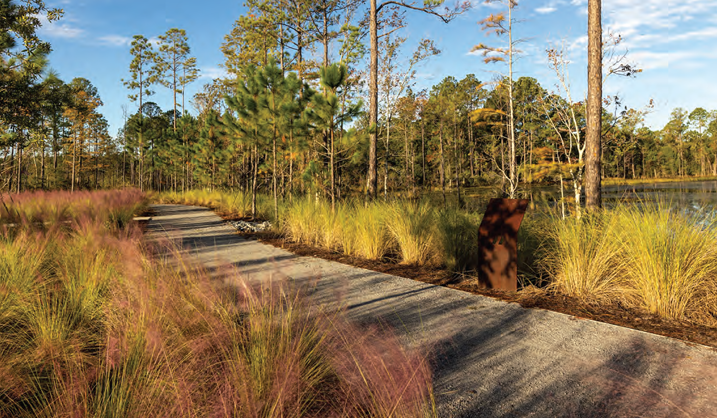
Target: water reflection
x,y
690,196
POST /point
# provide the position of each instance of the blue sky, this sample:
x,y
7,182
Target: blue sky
x,y
671,40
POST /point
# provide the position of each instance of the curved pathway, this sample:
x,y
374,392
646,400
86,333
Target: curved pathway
x,y
491,358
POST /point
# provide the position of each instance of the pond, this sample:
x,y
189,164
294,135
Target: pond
x,y
691,195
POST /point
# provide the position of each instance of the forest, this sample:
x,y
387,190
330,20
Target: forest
x,y
286,119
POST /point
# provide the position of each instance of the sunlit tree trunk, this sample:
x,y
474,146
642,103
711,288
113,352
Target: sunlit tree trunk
x,y
594,107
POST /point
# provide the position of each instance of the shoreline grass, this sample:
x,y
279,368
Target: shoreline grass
x,y
646,256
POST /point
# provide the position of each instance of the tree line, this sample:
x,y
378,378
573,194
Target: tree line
x,y
294,115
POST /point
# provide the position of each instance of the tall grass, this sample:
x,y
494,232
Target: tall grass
x,y
585,257
235,202
368,226
651,257
413,227
353,228
96,322
458,237
672,259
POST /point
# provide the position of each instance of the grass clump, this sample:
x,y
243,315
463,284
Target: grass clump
x,y
94,321
585,257
458,237
671,259
371,236
650,257
413,226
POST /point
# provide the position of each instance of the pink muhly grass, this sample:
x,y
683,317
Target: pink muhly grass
x,y
139,329
379,377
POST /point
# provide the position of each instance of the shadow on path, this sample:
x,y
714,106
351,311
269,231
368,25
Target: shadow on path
x,y
490,358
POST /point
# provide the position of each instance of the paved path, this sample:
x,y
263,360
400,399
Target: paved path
x,y
491,358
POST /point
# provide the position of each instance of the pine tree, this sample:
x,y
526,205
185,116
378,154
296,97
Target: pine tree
x,y
210,154
172,63
143,76
594,107
329,115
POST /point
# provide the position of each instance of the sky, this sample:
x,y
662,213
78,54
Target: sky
x,y
672,41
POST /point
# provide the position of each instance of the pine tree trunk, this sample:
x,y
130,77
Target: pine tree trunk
x,y
385,165
423,153
594,107
406,176
42,163
443,162
333,174
19,166
273,175
74,161
254,182
372,178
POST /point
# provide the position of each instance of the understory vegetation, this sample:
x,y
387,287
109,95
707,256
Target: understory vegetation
x,y
97,321
645,256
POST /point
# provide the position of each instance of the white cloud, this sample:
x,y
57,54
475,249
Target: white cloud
x,y
697,35
649,60
630,17
545,10
212,72
57,29
646,27
115,40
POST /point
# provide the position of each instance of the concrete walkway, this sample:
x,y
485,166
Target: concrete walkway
x,y
491,358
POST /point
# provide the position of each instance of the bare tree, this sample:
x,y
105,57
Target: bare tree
x,y
501,25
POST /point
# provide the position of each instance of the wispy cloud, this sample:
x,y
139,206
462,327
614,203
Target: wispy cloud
x,y
649,60
634,18
115,40
58,29
212,73
122,41
545,10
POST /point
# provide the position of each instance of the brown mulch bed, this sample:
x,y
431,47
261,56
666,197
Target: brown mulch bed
x,y
612,313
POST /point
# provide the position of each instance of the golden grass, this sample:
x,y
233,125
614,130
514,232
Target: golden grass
x,y
651,257
647,257
368,224
585,257
235,202
413,226
672,259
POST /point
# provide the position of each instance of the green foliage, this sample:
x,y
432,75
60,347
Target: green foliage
x,y
211,151
141,68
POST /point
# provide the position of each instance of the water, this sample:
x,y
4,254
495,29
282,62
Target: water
x,y
690,196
